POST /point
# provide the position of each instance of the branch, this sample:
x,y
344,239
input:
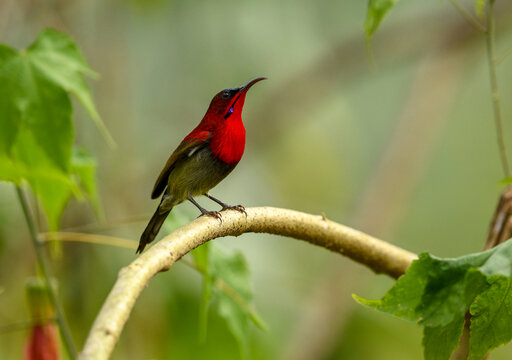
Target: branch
x,y
376,254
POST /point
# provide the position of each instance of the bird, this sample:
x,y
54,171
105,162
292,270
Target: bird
x,y
203,159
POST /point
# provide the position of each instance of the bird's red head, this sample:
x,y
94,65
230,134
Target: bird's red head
x,y
222,124
230,102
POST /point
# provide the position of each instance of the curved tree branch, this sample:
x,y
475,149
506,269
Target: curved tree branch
x,y
376,254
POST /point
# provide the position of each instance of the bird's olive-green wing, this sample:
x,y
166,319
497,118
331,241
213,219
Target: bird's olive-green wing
x,y
184,150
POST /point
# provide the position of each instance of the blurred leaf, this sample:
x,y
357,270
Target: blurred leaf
x,y
232,269
377,9
480,8
84,166
437,293
10,120
230,275
201,257
56,56
36,128
38,299
506,181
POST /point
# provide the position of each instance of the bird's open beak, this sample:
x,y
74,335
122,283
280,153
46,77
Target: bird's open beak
x,y
250,83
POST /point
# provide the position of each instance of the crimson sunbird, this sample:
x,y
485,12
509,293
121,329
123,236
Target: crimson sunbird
x,y
202,160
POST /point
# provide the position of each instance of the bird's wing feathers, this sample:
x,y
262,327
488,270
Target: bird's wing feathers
x,y
193,142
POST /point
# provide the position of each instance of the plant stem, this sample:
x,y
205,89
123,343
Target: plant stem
x,y
468,16
45,272
506,54
494,87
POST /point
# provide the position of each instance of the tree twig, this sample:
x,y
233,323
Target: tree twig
x,y
376,254
67,339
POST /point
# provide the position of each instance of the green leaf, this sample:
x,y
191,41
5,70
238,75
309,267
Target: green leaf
x,y
84,166
11,117
233,270
226,276
438,292
480,8
377,9
36,128
506,181
57,57
440,341
491,324
202,259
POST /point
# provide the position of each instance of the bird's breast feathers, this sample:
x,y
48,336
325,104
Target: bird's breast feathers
x,y
228,143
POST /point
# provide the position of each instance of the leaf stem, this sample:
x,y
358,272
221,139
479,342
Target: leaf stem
x,y
499,60
45,272
494,88
468,16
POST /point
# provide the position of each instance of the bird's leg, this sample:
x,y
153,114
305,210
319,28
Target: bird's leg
x,y
214,214
226,206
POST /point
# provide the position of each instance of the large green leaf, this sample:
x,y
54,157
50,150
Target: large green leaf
x,y
438,292
57,57
36,128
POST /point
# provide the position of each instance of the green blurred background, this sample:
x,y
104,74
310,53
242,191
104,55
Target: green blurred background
x,y
403,148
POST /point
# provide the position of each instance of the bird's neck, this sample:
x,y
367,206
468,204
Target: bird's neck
x,y
228,140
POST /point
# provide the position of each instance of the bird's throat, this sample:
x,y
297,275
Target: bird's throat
x,y
228,141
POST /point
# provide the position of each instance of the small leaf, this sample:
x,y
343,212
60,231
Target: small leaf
x,y
506,181
377,9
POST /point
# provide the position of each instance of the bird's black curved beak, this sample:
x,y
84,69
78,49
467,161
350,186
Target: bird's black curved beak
x,y
250,83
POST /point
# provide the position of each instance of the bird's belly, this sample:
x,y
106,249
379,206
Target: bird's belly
x,y
196,175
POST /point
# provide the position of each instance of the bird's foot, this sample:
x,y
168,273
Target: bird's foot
x,y
239,208
214,214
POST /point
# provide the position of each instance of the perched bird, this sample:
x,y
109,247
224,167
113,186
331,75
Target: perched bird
x,y
202,160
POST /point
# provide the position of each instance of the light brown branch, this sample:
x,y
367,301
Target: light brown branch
x,y
376,254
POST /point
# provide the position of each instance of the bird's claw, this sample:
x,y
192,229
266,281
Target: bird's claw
x,y
239,208
215,214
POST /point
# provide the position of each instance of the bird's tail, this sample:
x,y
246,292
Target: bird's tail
x,y
153,228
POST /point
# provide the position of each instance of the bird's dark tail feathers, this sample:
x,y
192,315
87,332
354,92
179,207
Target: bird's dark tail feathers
x,y
153,228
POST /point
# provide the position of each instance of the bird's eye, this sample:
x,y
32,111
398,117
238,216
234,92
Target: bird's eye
x,y
225,95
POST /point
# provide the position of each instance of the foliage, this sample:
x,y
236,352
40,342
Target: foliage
x,y
230,275
437,293
36,127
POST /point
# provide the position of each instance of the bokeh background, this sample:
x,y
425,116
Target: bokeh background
x,y
402,147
